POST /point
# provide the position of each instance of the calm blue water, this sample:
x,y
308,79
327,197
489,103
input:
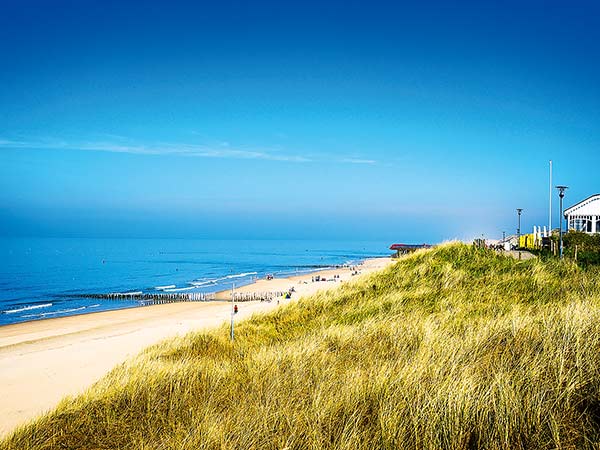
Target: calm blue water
x,y
42,278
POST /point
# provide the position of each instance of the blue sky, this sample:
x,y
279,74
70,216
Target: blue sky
x,y
362,120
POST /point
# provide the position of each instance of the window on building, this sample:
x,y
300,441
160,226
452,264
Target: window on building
x,y
581,223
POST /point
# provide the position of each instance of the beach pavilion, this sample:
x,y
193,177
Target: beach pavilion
x,y
585,215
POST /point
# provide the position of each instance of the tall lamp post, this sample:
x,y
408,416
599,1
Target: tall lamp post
x,y
561,194
519,210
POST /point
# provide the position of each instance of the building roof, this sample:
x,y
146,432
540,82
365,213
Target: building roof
x,y
588,207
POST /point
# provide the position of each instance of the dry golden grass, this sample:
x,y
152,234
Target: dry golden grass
x,y
452,348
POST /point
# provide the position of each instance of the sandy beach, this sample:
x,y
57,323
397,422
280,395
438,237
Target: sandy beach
x,y
43,361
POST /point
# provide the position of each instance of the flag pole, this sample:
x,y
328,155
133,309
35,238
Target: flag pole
x,y
550,200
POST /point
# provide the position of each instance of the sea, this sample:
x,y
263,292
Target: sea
x,y
43,278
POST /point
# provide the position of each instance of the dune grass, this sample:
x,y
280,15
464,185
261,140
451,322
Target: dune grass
x,y
453,348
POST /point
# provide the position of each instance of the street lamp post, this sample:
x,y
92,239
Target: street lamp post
x,y
561,194
519,210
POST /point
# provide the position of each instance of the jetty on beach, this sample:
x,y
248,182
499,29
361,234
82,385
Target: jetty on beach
x,y
262,296
403,249
161,298
152,298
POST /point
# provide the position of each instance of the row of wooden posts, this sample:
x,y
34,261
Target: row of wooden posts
x,y
262,296
164,297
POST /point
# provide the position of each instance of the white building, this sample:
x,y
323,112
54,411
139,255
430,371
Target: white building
x,y
585,215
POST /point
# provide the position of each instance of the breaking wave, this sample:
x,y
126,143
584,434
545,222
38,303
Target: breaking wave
x,y
27,308
60,311
216,280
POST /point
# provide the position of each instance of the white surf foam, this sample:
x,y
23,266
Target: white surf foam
x,y
51,313
240,275
27,308
160,288
180,289
202,283
227,277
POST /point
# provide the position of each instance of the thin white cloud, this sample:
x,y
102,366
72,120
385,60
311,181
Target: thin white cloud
x,y
13,144
223,151
358,161
155,149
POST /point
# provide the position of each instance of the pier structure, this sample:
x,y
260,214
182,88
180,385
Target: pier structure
x,y
152,298
402,249
163,297
262,296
